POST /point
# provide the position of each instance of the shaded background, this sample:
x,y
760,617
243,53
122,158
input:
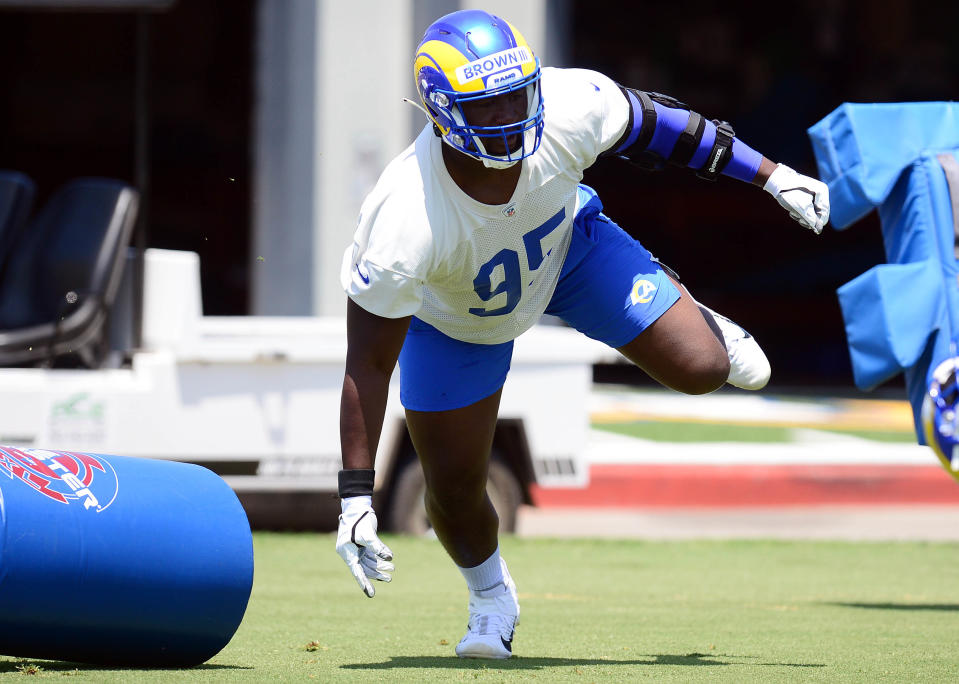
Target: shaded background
x,y
69,108
772,74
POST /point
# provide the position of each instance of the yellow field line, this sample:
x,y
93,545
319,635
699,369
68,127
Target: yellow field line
x,y
893,422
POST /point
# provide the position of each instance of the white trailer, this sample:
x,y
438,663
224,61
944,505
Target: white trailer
x,y
256,399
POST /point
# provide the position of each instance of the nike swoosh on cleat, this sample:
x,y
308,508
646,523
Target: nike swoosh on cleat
x,y
508,645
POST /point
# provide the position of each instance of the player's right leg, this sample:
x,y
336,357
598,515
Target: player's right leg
x,y
451,391
454,448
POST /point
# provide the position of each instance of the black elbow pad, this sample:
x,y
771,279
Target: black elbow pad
x,y
632,146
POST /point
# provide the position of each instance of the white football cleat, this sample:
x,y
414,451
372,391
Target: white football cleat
x,y
494,614
748,366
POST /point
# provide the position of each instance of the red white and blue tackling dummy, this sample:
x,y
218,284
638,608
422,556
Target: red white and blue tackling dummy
x,y
902,316
113,560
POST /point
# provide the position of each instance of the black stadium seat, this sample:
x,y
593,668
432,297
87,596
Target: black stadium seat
x,y
62,275
17,192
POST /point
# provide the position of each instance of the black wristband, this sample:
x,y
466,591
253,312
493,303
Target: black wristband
x,y
358,482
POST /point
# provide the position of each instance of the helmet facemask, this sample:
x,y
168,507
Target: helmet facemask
x,y
466,58
477,141
445,107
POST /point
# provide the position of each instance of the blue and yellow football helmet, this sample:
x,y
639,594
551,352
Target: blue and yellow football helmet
x,y
468,56
940,415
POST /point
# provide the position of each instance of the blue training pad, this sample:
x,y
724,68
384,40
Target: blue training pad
x,y
901,316
862,148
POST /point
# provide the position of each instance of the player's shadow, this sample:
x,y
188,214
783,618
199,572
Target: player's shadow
x,y
525,663
33,666
943,607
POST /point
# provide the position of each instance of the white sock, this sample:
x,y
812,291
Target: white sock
x,y
486,575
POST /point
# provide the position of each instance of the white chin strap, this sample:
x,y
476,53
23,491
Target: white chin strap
x,y
501,163
488,163
497,163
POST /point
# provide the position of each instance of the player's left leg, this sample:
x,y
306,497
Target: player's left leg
x,y
678,348
613,290
677,352
748,366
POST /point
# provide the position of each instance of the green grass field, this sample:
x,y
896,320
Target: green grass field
x,y
593,611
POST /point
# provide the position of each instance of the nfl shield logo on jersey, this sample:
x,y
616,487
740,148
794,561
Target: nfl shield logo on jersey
x,y
510,211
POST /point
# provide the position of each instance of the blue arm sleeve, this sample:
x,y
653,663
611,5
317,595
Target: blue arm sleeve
x,y
669,125
745,162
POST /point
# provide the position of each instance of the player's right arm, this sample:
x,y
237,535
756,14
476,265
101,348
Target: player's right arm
x,y
373,347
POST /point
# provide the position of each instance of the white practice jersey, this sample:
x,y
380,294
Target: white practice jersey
x,y
478,272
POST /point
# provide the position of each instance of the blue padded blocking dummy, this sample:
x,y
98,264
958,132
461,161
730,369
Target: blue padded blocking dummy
x,y
861,150
117,560
889,157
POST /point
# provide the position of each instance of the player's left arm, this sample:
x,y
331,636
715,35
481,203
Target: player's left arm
x,y
662,130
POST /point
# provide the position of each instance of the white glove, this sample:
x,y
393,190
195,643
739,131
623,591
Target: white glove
x,y
356,542
806,199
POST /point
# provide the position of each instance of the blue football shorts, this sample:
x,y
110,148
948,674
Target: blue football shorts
x,y
610,289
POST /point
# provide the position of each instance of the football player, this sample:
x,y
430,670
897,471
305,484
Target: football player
x,y
476,230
